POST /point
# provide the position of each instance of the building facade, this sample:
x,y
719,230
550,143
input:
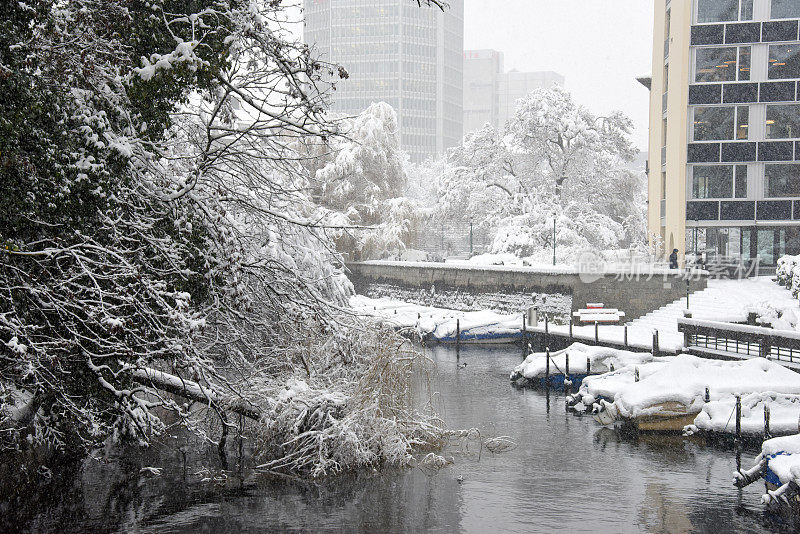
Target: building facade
x,y
724,168
490,94
398,53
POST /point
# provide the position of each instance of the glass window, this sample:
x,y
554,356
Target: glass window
x,y
784,61
717,10
782,180
744,63
766,246
785,9
715,64
713,123
742,122
712,181
746,11
717,123
740,180
783,121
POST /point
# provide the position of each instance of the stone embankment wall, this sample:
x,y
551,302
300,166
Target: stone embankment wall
x,y
635,294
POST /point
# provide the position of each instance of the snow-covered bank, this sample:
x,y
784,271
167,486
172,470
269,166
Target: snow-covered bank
x,y
599,360
440,324
555,304
719,416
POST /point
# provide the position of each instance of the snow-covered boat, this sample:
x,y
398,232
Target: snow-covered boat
x,y
670,394
779,466
584,360
439,325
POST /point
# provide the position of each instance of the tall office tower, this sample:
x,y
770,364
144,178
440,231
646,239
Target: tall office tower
x,y
399,53
725,121
483,70
491,95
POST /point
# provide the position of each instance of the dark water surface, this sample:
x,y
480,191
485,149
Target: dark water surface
x,y
567,474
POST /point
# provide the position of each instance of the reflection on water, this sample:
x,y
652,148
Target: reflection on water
x,y
566,474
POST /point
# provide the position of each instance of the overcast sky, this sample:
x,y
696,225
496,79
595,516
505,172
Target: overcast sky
x,y
600,46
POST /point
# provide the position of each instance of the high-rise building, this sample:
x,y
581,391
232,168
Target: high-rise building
x,y
490,94
724,170
483,70
399,53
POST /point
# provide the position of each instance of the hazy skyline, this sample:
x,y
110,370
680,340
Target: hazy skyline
x,y
600,46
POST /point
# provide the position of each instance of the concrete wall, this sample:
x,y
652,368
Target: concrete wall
x,y
636,296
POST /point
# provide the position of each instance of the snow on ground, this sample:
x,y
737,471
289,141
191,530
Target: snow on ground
x,y
726,301
723,300
685,378
600,360
505,303
720,415
438,323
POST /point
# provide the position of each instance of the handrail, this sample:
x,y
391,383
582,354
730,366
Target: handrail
x,y
729,337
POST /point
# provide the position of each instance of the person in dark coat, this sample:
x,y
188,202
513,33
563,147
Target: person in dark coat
x,y
673,259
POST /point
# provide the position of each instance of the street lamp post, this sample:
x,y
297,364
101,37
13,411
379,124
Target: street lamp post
x,y
554,240
470,237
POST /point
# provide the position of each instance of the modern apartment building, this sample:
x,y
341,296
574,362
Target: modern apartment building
x,y
399,53
490,94
724,169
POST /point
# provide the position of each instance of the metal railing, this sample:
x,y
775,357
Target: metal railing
x,y
744,340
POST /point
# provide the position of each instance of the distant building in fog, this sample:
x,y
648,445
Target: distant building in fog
x,y
490,95
399,53
483,70
515,85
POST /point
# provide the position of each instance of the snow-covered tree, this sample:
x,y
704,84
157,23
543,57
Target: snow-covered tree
x,y
362,177
160,243
554,160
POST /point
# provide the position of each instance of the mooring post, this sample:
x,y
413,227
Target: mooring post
x,y
547,368
766,422
625,334
708,395
524,333
566,366
636,375
655,342
596,332
570,332
588,366
458,336
738,418
546,330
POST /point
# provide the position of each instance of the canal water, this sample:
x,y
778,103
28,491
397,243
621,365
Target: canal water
x,y
566,474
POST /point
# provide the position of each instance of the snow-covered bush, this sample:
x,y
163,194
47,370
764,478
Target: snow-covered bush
x,y
785,269
369,419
